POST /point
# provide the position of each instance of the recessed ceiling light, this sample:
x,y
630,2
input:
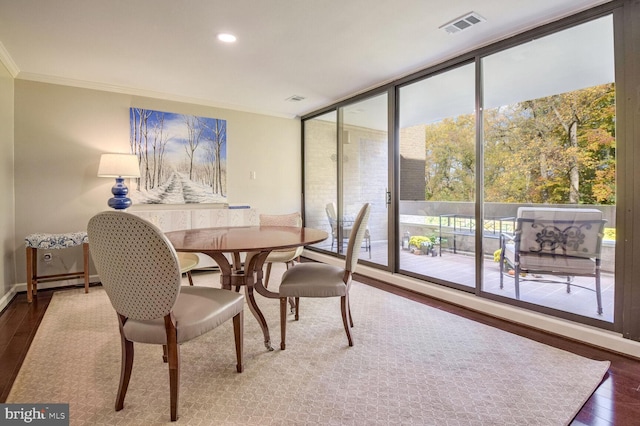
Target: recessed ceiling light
x,y
227,38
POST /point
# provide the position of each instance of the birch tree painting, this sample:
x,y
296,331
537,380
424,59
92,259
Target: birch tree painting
x,y
182,158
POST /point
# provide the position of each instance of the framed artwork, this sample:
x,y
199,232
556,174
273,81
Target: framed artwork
x,y
183,158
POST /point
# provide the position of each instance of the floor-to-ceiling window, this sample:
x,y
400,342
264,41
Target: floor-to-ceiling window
x,y
525,124
365,165
549,142
346,165
437,143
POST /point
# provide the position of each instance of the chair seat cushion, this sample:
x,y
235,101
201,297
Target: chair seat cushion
x,y
56,241
197,310
550,263
313,280
187,261
278,256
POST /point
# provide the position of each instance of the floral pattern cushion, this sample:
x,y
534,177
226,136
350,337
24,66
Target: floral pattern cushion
x,y
56,241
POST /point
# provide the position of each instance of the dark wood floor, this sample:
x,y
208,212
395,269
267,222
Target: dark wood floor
x,y
18,325
615,402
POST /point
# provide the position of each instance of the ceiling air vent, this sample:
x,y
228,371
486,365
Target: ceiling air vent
x,y
294,98
462,23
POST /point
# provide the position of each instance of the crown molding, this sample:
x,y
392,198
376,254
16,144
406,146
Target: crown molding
x,y
7,61
41,78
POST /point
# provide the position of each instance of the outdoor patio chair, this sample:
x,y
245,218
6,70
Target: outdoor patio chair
x,y
562,242
346,226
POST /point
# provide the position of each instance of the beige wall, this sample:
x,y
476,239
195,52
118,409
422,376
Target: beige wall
x,y
61,131
7,218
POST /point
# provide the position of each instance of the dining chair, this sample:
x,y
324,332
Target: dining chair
x,y
140,272
322,280
188,262
286,256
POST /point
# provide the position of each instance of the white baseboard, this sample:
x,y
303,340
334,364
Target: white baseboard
x,y
584,333
7,298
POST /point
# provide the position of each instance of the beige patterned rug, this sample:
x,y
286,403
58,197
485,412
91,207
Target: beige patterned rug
x,y
411,365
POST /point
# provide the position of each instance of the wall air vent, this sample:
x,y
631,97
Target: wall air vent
x,y
462,23
294,98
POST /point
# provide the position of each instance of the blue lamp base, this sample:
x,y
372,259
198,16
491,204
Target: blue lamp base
x,y
120,201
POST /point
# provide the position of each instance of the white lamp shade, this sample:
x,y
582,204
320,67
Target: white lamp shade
x,y
119,165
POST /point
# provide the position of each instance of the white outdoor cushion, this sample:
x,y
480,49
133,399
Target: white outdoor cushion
x,y
550,263
567,232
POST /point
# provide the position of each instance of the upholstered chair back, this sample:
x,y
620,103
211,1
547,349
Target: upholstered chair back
x,y
137,264
567,232
356,237
292,219
286,256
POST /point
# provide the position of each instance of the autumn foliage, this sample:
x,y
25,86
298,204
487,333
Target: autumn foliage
x,y
558,149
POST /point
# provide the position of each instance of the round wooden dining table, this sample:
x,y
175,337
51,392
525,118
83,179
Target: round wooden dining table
x,y
257,242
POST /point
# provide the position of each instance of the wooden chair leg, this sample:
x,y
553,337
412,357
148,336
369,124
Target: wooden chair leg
x,y
190,277
344,304
173,352
297,308
85,254
126,366
283,322
238,332
267,275
32,271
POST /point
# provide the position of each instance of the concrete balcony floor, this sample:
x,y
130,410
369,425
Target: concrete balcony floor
x,y
460,268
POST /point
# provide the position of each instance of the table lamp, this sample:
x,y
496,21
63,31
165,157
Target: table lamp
x,y
119,166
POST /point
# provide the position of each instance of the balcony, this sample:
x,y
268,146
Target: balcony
x,y
460,268
453,260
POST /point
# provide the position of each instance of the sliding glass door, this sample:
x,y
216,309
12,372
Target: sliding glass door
x,y
516,141
346,165
437,140
364,144
549,151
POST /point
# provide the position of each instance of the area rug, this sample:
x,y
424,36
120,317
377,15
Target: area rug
x,y
411,365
